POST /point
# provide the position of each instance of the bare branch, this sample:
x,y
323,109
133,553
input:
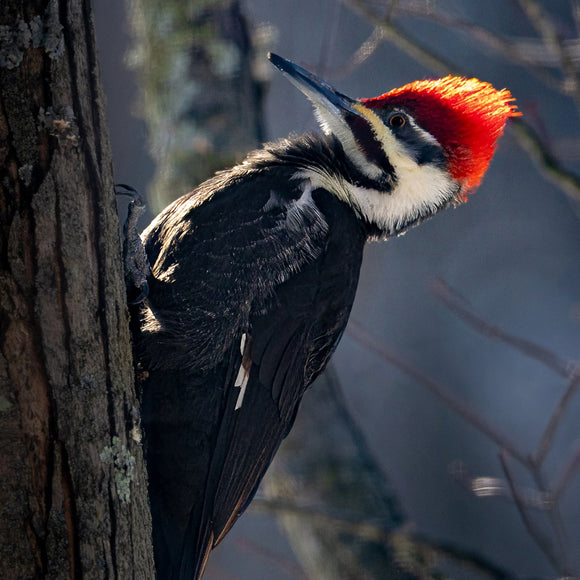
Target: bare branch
x,y
555,518
546,29
358,334
532,50
513,51
568,369
570,469
392,34
459,306
550,167
486,487
538,536
548,436
363,52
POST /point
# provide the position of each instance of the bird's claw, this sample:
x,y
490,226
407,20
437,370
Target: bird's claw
x,y
136,264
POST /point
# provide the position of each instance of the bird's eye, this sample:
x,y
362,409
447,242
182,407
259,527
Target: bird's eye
x,y
397,121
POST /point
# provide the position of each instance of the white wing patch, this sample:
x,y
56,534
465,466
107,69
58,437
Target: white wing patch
x,y
242,383
243,375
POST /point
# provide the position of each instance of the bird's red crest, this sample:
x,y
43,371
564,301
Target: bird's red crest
x,y
466,116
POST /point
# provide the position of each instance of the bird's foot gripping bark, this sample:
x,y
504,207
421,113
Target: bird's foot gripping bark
x,y
136,264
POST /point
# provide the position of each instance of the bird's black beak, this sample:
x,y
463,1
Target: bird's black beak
x,y
317,90
349,120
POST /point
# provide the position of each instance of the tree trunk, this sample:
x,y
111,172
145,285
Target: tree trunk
x,y
73,494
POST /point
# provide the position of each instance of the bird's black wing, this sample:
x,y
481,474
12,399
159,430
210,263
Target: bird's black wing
x,y
251,292
216,255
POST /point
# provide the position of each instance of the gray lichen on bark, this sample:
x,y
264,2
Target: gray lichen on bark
x,y
44,31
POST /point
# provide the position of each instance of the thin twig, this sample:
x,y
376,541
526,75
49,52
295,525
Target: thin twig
x,y
359,335
555,519
459,306
392,34
360,55
530,140
568,472
546,29
548,436
508,50
539,537
567,369
363,451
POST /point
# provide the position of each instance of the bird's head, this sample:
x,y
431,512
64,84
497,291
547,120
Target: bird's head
x,y
420,148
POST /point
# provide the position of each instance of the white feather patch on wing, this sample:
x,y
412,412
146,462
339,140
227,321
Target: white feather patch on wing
x,y
242,383
243,375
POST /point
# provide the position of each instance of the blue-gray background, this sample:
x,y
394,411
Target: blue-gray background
x,y
513,251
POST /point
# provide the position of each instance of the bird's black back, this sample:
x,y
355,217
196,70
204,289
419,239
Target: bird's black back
x,y
254,266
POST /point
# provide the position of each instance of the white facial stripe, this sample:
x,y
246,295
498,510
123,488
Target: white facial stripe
x,y
391,145
337,126
420,190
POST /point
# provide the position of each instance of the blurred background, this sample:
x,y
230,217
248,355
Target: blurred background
x,y
444,441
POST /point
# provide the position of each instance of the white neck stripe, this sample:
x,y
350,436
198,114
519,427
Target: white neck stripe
x,y
419,192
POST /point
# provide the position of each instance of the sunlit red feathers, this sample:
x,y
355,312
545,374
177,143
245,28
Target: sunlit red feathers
x,y
466,116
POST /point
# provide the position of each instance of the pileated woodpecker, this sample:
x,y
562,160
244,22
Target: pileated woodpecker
x,y
253,277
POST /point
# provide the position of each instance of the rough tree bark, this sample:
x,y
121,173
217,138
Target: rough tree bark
x,y
73,498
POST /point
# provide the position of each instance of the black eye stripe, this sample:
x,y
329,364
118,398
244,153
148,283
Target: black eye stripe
x,y
416,143
367,141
